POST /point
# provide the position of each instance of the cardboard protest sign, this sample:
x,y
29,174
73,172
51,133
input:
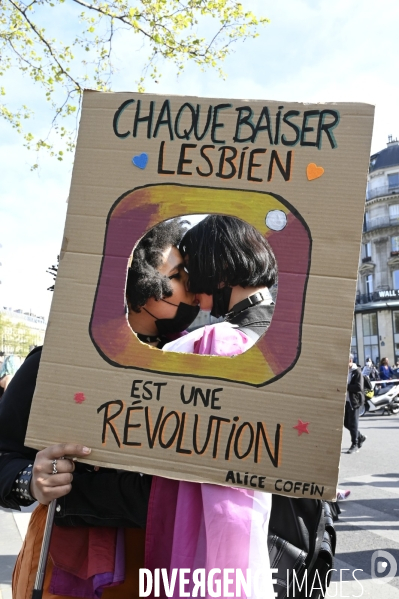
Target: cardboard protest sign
x,y
270,418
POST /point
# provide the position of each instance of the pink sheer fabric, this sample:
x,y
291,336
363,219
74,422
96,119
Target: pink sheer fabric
x,y
221,339
202,526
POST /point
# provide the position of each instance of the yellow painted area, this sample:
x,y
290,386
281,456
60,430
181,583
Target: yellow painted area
x,y
248,367
173,200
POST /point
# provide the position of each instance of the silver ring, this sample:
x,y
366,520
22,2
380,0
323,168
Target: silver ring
x,y
54,463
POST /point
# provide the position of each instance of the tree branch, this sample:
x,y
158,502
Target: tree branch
x,y
48,46
126,21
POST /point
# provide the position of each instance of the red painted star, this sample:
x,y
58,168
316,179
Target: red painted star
x,y
302,427
79,397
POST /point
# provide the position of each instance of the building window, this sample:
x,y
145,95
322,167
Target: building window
x,y
395,279
396,323
354,342
370,337
393,180
366,221
369,284
395,243
394,213
367,249
370,328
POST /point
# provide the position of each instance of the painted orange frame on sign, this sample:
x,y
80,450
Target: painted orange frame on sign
x,y
135,213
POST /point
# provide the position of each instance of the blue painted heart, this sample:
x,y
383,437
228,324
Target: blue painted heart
x,y
140,161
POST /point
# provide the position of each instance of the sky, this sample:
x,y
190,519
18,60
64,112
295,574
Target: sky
x,y
311,51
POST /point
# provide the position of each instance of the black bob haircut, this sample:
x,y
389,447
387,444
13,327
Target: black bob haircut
x,y
143,279
225,249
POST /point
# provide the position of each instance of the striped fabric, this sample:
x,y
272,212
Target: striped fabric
x,y
201,526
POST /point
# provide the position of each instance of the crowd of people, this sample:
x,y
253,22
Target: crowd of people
x,y
383,372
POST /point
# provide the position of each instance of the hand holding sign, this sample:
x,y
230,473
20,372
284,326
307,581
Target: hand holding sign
x,y
52,473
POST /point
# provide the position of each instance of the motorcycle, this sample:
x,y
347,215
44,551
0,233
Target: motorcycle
x,y
382,398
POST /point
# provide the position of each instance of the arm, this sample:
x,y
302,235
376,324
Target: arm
x,y
106,498
25,474
5,381
14,414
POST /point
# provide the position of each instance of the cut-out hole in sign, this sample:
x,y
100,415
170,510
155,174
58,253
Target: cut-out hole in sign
x,y
202,284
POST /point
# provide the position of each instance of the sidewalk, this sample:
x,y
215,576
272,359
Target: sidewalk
x,y
13,527
370,516
366,524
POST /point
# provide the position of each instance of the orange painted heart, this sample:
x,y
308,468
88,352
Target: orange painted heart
x,y
313,171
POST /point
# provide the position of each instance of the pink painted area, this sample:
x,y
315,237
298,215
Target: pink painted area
x,y
302,427
127,224
281,343
79,397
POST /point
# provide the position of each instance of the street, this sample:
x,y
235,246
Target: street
x,y
370,516
369,520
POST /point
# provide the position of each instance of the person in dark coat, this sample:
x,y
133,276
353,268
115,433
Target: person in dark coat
x,y
354,399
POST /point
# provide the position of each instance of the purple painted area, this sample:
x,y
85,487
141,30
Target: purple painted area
x,y
126,225
292,249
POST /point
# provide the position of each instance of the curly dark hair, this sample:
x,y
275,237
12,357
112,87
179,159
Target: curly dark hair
x,y
143,279
225,249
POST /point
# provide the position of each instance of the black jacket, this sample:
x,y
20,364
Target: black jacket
x,y
356,389
105,498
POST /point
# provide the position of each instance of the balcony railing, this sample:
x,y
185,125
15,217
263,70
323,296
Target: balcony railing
x,y
383,190
380,221
364,298
377,296
366,259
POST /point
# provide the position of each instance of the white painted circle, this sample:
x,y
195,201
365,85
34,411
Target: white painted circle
x,y
276,220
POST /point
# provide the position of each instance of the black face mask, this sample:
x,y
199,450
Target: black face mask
x,y
184,316
221,301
